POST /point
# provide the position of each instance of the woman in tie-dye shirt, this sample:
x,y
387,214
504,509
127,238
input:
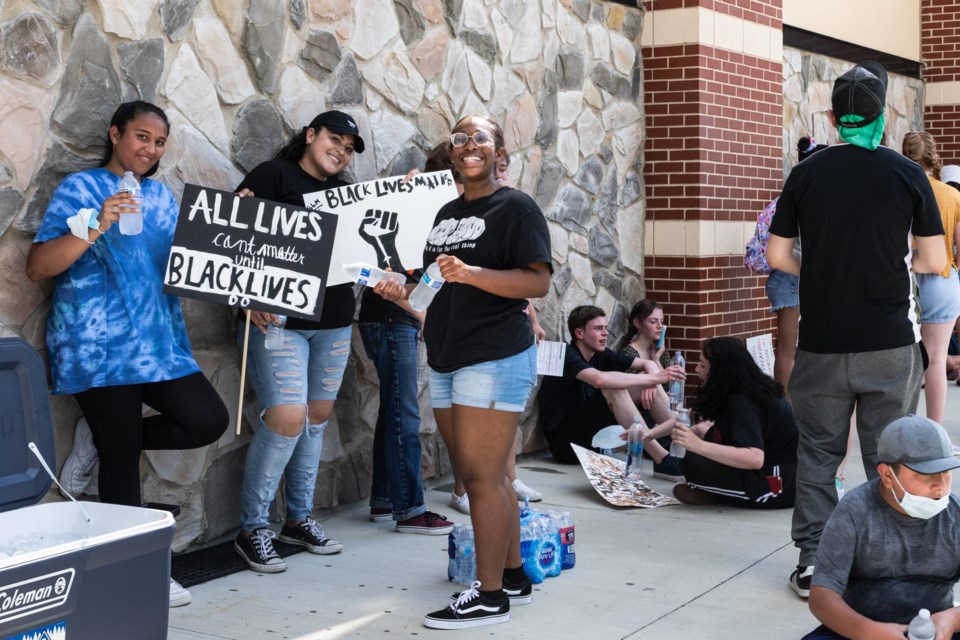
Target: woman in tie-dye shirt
x,y
114,339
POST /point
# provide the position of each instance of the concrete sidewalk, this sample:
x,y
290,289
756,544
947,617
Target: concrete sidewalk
x,y
677,572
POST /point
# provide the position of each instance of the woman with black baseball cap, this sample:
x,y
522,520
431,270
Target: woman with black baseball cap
x,y
298,383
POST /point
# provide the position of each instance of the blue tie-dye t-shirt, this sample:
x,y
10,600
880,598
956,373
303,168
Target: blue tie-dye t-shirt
x,y
110,322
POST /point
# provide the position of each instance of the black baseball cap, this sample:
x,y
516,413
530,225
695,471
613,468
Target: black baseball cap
x,y
339,122
861,91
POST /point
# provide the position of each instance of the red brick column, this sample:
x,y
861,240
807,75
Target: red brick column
x,y
939,43
713,159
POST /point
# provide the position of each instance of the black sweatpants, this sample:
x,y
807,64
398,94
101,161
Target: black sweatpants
x,y
742,487
191,415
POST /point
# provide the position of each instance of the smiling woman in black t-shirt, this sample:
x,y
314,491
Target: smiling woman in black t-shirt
x,y
493,249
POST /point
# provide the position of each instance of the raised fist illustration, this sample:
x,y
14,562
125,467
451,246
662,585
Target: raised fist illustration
x,y
379,229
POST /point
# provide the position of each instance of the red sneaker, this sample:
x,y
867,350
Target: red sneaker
x,y
427,524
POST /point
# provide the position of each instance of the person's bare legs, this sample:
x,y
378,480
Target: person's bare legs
x,y
788,329
444,418
936,339
483,442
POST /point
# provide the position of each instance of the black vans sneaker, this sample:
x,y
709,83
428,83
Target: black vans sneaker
x,y
800,580
471,609
308,533
258,551
519,592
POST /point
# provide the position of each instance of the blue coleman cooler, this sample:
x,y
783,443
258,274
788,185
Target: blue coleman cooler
x,y
62,577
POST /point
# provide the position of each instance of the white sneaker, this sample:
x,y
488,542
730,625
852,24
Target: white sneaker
x,y
526,493
78,468
460,503
178,595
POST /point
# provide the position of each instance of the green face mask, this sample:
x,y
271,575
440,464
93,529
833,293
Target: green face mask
x,y
867,137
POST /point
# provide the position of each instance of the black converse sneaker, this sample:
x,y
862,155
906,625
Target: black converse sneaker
x,y
257,550
471,609
308,533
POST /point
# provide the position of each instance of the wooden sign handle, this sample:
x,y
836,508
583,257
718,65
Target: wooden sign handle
x,y
243,368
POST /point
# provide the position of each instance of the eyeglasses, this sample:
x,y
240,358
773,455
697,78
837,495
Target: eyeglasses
x,y
480,138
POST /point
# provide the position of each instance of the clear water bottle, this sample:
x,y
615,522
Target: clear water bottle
x,y
550,543
466,557
921,627
131,223
568,554
453,561
370,276
683,420
274,339
427,288
530,545
634,451
676,386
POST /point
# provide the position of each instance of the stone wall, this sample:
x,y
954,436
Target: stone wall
x,y
237,77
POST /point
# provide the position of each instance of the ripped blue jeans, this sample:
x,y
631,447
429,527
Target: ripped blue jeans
x,y
309,367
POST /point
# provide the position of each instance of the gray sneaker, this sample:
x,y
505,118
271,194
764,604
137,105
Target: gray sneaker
x,y
78,468
309,533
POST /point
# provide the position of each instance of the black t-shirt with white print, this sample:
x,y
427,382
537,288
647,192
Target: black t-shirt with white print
x,y
466,325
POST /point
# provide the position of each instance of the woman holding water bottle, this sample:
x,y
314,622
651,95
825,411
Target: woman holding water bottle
x,y
744,452
115,340
297,383
493,250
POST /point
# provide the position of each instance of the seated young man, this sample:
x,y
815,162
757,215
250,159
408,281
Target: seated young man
x,y
596,389
892,545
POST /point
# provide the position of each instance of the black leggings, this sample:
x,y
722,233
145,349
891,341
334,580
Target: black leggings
x,y
191,415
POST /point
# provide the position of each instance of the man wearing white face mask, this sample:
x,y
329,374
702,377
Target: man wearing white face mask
x,y
892,545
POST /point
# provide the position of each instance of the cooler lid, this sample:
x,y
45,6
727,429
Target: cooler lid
x,y
24,417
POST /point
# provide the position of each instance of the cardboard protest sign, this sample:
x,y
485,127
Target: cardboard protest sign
x,y
606,474
250,252
383,222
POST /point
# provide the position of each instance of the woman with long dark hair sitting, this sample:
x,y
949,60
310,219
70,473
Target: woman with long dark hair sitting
x,y
743,450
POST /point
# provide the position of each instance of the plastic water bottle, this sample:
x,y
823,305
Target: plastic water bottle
x,y
466,557
634,451
370,276
274,339
921,627
530,545
550,543
683,420
453,561
568,554
676,386
130,223
427,288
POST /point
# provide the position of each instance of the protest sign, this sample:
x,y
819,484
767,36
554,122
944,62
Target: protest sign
x,y
383,222
761,348
251,253
606,474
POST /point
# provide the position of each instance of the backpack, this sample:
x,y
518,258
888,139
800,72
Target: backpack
x,y
755,256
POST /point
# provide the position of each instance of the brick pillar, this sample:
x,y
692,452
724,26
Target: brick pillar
x,y
713,96
939,41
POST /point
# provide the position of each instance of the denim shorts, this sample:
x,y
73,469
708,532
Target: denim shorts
x,y
503,384
939,297
783,290
309,367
